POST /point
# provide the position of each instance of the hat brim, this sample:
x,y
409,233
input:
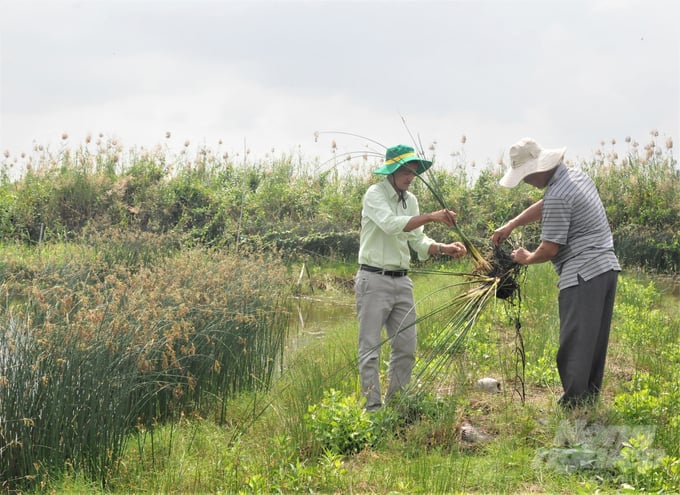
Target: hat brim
x,y
423,165
547,160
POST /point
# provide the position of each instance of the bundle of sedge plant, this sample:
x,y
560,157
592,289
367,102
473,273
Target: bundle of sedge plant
x,y
494,275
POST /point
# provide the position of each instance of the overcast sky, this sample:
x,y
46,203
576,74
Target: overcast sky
x,y
266,75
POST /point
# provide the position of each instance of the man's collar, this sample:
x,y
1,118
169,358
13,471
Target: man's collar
x,y
560,170
391,191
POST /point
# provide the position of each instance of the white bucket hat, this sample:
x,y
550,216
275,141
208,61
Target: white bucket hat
x,y
526,158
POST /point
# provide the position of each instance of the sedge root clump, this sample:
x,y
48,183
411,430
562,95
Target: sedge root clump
x,y
503,272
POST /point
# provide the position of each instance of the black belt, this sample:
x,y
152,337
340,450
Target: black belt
x,y
389,273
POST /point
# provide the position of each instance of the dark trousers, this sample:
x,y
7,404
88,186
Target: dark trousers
x,y
585,319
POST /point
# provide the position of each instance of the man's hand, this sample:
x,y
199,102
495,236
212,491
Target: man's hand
x,y
520,255
455,249
531,214
545,251
447,217
501,234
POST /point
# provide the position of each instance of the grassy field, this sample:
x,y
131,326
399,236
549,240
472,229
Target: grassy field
x,y
280,441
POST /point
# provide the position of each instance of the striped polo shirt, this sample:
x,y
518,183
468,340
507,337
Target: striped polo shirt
x,y
573,217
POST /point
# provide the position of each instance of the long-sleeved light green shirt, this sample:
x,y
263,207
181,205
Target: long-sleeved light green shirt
x,y
383,242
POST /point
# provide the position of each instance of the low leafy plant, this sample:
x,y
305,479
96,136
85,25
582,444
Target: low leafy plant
x,y
542,371
653,399
643,468
339,424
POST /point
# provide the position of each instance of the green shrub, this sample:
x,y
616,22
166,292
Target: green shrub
x,y
339,424
642,198
643,468
650,399
218,204
642,324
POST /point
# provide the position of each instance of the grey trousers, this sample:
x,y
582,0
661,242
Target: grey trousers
x,y
585,320
384,301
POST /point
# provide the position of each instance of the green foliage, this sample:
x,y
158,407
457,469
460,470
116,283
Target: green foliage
x,y
7,215
197,209
652,395
339,424
643,324
77,198
643,468
541,369
340,202
639,191
654,249
136,333
625,452
642,199
266,445
71,406
651,399
212,202
31,213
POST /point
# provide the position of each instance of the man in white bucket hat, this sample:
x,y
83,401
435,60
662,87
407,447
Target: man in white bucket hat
x,y
576,237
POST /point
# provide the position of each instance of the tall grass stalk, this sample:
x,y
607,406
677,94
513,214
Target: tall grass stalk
x,y
64,401
91,352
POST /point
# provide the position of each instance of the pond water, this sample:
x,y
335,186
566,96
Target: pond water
x,y
316,310
313,315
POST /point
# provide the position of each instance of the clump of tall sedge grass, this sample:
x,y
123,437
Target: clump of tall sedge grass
x,y
94,347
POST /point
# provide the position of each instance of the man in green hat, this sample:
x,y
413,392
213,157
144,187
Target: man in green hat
x,y
390,223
